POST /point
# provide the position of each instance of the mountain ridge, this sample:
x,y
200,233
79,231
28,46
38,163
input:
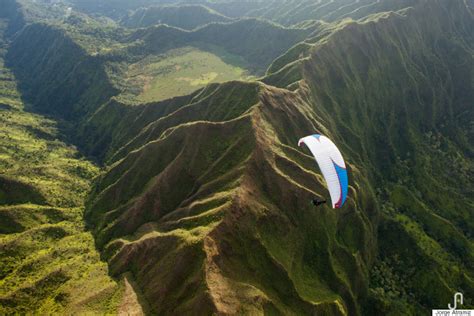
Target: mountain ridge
x,y
281,129
204,201
185,16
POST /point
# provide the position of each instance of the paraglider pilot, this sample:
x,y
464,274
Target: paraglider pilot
x,y
318,202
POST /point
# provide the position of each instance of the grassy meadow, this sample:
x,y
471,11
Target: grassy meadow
x,y
180,72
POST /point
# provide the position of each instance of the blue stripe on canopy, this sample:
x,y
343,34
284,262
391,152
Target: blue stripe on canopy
x,y
342,175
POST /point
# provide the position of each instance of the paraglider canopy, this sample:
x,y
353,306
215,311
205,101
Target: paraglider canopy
x,y
332,166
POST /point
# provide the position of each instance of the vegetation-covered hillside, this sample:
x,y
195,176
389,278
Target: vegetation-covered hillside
x,y
48,262
403,244
201,201
186,17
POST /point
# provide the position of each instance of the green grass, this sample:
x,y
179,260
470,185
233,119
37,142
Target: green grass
x,y
32,154
180,72
48,261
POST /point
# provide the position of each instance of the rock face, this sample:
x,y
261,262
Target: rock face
x,y
210,210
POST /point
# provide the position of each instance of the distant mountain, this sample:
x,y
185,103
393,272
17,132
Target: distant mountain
x,y
118,9
257,41
114,9
11,10
293,12
85,74
63,85
285,12
184,16
242,8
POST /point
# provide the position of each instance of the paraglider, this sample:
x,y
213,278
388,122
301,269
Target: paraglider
x,y
332,167
318,202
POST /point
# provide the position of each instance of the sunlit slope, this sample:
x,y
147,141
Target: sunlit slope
x,y
233,192
178,72
419,115
202,198
48,262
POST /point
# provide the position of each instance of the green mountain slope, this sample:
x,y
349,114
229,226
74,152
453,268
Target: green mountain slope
x,y
114,9
257,41
294,12
70,84
119,9
203,205
239,201
89,72
187,17
48,263
425,187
